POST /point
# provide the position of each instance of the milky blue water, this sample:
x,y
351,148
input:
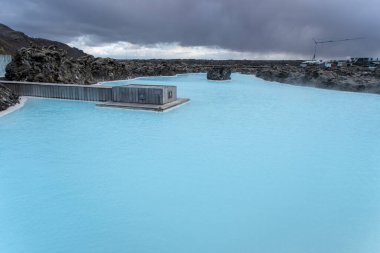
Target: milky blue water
x,y
246,166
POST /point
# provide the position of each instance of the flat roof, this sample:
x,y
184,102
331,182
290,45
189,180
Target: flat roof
x,y
147,86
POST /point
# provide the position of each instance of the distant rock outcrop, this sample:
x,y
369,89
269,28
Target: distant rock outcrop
x,y
52,65
11,41
7,98
356,79
219,74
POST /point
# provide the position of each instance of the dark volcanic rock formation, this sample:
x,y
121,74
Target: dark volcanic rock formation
x,y
356,79
49,65
7,98
219,74
52,65
11,41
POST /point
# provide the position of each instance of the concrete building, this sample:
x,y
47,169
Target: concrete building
x,y
144,94
135,96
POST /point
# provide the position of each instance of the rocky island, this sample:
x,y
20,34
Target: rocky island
x,y
219,74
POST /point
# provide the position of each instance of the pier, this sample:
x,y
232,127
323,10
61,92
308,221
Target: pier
x,y
134,96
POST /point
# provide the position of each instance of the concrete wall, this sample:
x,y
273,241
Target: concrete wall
x,y
97,93
169,94
144,94
4,61
139,94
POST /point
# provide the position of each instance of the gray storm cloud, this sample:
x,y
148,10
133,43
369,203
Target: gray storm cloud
x,y
256,26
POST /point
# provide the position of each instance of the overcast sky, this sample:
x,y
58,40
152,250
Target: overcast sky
x,y
219,29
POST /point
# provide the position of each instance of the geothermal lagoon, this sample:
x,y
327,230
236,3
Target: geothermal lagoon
x,y
246,166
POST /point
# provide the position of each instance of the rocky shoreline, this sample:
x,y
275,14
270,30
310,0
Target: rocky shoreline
x,y
352,78
7,98
40,60
53,65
